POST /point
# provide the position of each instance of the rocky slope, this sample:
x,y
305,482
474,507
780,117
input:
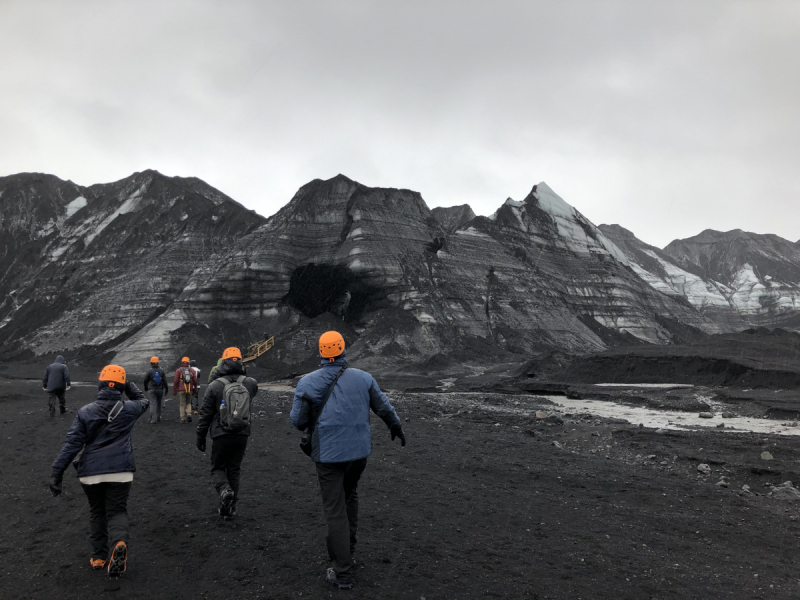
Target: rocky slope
x,y
153,264
736,278
87,267
377,263
453,217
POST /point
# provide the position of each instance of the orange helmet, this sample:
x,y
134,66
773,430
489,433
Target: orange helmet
x,y
113,374
153,359
331,344
232,353
185,359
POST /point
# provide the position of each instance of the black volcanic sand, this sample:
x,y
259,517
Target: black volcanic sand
x,y
481,503
755,358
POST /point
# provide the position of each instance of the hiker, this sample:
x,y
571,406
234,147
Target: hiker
x,y
157,379
226,411
102,431
184,387
213,374
56,383
333,404
193,367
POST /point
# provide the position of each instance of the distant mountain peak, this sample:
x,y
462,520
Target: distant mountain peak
x,y
453,217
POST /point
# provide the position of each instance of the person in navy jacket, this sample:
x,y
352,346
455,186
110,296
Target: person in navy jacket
x,y
106,467
340,443
56,383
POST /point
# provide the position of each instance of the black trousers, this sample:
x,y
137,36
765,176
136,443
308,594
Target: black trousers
x,y
108,516
227,453
339,485
58,395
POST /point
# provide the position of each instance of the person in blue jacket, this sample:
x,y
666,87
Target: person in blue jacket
x,y
103,430
340,443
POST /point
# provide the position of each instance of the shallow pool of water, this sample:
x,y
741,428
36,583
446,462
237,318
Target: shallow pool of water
x,y
668,419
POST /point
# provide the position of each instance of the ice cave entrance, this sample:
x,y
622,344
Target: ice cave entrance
x,y
315,289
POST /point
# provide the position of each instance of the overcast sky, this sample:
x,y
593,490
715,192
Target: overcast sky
x,y
665,117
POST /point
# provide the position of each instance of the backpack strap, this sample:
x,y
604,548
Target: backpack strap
x,y
315,418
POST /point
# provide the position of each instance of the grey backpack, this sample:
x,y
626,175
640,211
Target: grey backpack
x,y
234,409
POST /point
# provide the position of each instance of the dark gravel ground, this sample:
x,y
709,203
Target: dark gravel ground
x,y
481,503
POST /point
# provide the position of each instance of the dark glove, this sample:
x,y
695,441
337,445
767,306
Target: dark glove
x,y
397,432
55,482
201,444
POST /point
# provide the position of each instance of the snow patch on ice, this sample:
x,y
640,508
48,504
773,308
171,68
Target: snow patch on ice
x,y
154,337
471,231
678,282
75,206
129,205
748,290
572,226
424,317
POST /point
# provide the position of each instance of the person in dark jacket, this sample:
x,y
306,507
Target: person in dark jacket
x,y
228,447
340,443
103,430
157,379
56,383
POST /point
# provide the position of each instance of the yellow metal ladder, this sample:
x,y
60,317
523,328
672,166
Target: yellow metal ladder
x,y
255,350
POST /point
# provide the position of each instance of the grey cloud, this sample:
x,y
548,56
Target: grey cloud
x,y
667,118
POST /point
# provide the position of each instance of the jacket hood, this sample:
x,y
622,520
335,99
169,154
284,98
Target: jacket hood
x,y
60,360
230,367
340,361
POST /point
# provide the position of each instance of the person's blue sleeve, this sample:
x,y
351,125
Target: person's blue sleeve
x,y
301,406
380,404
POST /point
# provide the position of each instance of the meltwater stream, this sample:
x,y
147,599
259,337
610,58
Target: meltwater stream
x,y
671,419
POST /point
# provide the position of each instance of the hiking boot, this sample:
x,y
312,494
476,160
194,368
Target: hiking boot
x,y
227,515
119,560
342,584
226,497
183,420
97,563
63,410
188,419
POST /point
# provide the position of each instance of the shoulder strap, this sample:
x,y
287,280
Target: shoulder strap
x,y
241,378
325,399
